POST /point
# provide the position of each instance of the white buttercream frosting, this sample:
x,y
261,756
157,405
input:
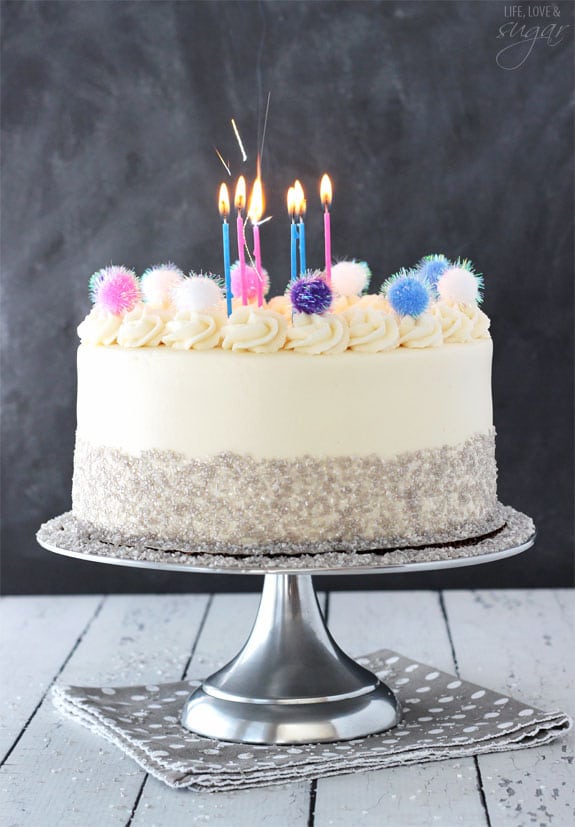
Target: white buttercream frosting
x,y
281,305
479,321
317,334
376,300
254,329
422,331
142,327
194,330
100,327
456,326
370,330
350,404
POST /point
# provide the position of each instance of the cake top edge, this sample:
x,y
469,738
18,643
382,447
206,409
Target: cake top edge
x,y
435,302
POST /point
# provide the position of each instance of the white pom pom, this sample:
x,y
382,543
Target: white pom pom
x,y
158,283
458,285
350,278
198,293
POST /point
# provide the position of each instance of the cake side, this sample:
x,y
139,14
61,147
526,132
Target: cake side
x,y
235,452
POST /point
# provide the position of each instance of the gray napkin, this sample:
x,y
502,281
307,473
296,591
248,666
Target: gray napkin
x,y
443,717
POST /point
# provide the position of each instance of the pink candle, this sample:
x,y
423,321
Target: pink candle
x,y
240,201
326,194
255,212
327,244
258,259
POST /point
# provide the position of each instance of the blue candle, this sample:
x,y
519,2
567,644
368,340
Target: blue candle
x,y
302,258
224,207
227,276
293,251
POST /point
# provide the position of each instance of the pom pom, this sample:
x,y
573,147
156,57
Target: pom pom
x,y
311,294
350,278
431,268
116,289
252,280
460,285
158,284
407,294
198,293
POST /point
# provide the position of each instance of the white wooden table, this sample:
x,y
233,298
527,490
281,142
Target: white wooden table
x,y
54,772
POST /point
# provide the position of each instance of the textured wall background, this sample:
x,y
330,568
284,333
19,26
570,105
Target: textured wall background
x,y
110,114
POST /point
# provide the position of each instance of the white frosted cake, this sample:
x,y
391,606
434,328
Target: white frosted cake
x,y
327,418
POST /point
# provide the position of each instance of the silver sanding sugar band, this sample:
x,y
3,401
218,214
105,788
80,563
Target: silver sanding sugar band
x,y
234,504
68,535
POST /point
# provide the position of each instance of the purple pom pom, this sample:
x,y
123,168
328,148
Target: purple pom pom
x,y
116,289
311,294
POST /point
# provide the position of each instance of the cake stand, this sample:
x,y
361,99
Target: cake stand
x,y
290,683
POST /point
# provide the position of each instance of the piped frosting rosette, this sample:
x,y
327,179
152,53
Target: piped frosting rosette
x,y
314,330
194,330
423,331
254,329
371,330
142,327
315,334
100,327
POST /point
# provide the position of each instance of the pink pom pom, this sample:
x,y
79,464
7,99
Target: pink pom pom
x,y
252,280
116,289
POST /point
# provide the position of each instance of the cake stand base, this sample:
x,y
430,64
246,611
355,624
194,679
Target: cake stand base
x,y
291,683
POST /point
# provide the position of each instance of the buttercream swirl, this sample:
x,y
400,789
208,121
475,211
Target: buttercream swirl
x,y
194,330
100,327
423,331
317,335
456,326
479,321
343,303
142,327
254,329
281,305
370,330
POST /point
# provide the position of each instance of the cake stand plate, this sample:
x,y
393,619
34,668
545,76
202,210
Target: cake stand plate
x,y
291,683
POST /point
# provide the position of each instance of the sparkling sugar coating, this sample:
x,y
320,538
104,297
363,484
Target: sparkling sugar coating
x,y
67,533
236,504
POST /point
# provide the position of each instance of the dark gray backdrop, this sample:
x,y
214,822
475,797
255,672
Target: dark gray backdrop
x,y
110,115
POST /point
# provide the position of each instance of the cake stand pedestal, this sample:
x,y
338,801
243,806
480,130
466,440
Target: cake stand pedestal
x,y
290,683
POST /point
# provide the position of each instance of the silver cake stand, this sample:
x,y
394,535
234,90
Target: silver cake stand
x,y
290,683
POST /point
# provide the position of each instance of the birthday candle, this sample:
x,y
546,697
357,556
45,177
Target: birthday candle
x,y
293,237
326,195
224,206
255,212
240,202
300,207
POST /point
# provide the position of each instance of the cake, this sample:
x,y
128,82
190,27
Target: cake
x,y
327,418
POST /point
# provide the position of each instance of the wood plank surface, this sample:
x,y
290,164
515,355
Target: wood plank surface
x,y
36,636
442,793
61,775
521,642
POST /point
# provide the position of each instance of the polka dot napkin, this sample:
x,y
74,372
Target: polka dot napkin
x,y
443,717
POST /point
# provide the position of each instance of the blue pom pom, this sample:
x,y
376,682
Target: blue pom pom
x,y
407,294
431,268
311,294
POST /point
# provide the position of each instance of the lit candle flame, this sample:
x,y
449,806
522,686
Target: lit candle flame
x,y
224,201
299,198
325,191
256,208
240,198
291,202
